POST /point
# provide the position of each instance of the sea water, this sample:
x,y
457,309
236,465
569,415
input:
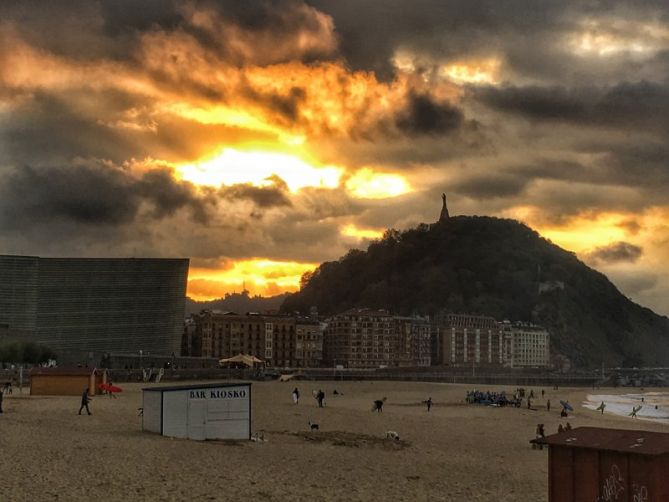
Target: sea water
x,y
622,404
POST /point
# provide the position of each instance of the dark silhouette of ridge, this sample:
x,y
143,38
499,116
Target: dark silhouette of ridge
x,y
495,267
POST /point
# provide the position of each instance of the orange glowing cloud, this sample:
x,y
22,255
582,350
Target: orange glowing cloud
x,y
356,232
592,229
368,184
258,275
232,166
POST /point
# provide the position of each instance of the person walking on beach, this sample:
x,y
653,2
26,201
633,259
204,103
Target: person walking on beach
x,y
635,410
601,407
378,405
1,395
548,405
85,399
109,390
320,397
296,396
429,403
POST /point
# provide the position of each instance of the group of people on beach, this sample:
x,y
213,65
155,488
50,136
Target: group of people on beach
x,y
491,398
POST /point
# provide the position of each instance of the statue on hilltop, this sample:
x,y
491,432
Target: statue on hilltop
x,y
444,209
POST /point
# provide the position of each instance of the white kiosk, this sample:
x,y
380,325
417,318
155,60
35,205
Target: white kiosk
x,y
208,411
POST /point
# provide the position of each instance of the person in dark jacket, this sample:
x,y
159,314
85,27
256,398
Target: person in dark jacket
x,y
320,397
85,399
378,405
429,403
1,393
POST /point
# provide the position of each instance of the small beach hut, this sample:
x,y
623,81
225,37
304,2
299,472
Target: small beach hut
x,y
198,411
592,463
66,381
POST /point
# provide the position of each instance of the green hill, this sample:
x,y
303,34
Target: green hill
x,y
496,267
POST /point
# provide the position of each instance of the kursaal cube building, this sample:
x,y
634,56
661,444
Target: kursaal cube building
x,y
83,308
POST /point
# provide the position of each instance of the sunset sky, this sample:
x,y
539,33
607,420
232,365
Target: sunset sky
x,y
262,138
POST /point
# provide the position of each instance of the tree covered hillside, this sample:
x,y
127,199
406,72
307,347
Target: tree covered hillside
x,y
495,267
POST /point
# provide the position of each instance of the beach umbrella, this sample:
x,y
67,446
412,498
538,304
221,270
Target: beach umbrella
x,y
566,405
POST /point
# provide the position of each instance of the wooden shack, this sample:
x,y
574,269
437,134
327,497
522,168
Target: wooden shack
x,y
199,411
590,464
66,381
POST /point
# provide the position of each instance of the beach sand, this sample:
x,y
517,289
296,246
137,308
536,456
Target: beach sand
x,y
455,452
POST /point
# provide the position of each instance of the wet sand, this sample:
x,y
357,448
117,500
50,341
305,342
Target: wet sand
x,y
455,452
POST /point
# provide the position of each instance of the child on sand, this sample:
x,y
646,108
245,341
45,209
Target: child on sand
x,y
296,395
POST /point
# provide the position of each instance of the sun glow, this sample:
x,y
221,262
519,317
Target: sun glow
x,y
258,275
580,233
368,184
232,166
482,71
361,233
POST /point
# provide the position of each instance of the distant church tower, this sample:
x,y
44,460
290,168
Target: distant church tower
x,y
444,209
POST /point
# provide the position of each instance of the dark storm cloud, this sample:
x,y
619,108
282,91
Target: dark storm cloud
x,y
98,195
372,31
616,252
263,197
626,105
285,105
48,128
490,186
168,195
423,115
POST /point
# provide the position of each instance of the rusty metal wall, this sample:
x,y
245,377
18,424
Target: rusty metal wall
x,y
588,475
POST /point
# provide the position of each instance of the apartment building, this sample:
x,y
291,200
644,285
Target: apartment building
x,y
365,338
463,339
279,340
526,345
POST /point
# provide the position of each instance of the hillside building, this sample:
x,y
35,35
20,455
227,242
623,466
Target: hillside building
x,y
474,340
279,340
364,338
85,307
462,339
526,345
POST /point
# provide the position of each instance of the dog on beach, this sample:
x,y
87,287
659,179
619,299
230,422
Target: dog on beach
x,y
313,426
258,437
392,435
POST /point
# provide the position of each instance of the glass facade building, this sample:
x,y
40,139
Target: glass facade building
x,y
85,307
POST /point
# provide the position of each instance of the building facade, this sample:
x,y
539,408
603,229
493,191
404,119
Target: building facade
x,y
526,345
464,339
83,307
474,340
364,338
279,340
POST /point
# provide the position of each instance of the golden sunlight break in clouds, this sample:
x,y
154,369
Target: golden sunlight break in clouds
x,y
352,230
482,71
232,166
259,168
367,184
258,275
